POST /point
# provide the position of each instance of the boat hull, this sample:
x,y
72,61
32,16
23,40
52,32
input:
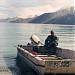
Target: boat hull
x,y
49,65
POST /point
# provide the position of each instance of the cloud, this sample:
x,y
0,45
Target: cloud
x,y
28,11
34,3
57,3
3,15
7,8
25,8
19,3
8,11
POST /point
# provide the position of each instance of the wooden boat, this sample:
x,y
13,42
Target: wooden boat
x,y
42,63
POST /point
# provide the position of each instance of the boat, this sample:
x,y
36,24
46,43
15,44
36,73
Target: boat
x,y
43,63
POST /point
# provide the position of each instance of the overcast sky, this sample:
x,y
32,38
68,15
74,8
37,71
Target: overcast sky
x,y
29,8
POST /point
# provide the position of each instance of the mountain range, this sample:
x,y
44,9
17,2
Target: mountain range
x,y
62,16
21,20
16,20
8,19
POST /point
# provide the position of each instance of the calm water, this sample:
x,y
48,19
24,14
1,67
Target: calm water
x,y
12,34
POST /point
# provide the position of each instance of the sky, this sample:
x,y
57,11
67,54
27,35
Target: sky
x,y
30,8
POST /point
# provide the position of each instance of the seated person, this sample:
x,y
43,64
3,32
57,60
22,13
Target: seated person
x,y
50,43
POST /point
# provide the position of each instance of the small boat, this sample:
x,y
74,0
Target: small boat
x,y
42,63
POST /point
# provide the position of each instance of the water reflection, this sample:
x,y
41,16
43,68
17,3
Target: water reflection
x,y
12,34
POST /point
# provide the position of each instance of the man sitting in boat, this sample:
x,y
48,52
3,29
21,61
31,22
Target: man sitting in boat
x,y
50,43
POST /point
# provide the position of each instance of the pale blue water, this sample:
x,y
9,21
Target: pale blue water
x,y
12,34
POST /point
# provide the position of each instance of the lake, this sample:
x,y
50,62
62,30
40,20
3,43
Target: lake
x,y
12,34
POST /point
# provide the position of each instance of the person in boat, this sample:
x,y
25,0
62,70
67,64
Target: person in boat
x,y
51,43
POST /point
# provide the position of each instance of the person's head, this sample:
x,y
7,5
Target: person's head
x,y
52,33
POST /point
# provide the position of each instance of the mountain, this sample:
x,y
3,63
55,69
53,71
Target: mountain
x,y
8,19
17,20
62,16
21,20
42,18
66,19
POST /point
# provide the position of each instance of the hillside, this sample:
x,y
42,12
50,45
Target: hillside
x,y
66,19
42,18
21,20
17,20
62,16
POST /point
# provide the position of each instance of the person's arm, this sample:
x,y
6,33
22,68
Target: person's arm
x,y
56,40
53,41
47,41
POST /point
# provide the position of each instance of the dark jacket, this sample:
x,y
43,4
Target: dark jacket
x,y
51,41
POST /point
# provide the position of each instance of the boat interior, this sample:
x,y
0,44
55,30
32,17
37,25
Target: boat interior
x,y
41,52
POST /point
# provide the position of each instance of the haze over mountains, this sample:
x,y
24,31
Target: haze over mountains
x,y
62,16
21,20
8,19
16,20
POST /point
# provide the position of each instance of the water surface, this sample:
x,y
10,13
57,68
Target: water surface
x,y
12,34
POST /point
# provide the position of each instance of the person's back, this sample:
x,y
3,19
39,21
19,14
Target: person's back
x,y
51,42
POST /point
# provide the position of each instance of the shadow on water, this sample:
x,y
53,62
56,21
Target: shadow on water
x,y
25,69
16,68
10,62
